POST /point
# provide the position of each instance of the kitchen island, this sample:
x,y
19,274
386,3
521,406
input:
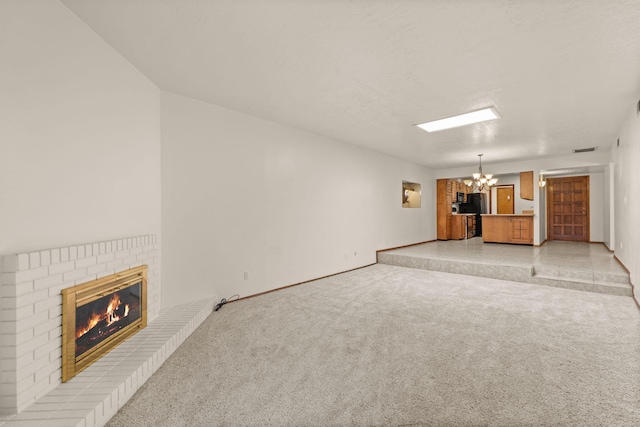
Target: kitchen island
x,y
516,228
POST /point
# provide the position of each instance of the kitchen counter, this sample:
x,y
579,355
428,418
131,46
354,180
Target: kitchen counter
x,y
531,215
508,228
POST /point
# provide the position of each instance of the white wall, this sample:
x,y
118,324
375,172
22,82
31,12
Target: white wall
x,y
80,134
244,194
609,203
519,204
626,200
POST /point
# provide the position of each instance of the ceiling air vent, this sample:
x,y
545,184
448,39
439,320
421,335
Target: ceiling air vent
x,y
584,150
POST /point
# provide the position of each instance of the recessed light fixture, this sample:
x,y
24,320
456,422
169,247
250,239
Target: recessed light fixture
x,y
460,120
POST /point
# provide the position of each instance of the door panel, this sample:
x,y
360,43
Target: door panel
x,y
505,200
568,210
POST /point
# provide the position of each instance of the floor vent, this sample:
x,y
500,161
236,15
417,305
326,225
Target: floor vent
x,y
584,150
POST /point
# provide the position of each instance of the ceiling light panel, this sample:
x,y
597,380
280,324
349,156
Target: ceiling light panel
x,y
460,120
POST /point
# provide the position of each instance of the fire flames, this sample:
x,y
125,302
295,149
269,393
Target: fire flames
x,y
109,316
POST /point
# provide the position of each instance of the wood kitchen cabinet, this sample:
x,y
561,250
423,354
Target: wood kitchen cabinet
x,y
517,229
526,185
463,226
443,208
446,191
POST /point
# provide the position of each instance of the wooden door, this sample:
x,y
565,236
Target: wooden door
x,y
568,208
505,200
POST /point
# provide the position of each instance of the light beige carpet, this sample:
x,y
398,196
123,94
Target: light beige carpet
x,y
391,346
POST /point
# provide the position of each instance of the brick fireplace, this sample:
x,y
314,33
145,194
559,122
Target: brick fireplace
x,y
31,308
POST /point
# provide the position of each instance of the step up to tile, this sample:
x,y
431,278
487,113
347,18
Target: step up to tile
x,y
590,281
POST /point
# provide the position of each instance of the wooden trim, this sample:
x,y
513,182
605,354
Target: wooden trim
x,y
300,283
330,275
635,296
621,264
400,247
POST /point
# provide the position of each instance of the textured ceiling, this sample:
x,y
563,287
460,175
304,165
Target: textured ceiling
x,y
561,73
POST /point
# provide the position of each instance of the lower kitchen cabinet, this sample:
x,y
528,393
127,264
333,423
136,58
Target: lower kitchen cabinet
x,y
516,229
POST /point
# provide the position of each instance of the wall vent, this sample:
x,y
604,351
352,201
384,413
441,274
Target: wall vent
x,y
584,150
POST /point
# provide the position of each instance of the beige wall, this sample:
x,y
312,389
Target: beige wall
x,y
79,134
244,194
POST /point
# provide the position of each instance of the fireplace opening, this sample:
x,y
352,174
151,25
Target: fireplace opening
x,y
99,315
98,320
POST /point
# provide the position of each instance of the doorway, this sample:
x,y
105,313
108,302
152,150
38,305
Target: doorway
x,y
568,208
504,196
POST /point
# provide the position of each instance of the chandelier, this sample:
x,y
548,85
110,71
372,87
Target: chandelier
x,y
480,181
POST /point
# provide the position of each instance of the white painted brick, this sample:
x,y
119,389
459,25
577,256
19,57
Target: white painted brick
x,y
32,321
30,370
31,275
54,291
62,267
95,248
45,326
88,250
64,254
7,327
23,262
106,257
56,377
75,274
85,279
73,253
114,265
106,273
34,260
55,312
107,248
128,261
101,248
81,253
45,258
10,263
45,372
23,337
48,282
86,262
95,269
122,254
55,333
22,361
119,245
47,304
45,350
30,298
17,314
56,356
16,290
55,256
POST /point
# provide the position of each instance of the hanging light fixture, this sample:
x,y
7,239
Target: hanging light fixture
x,y
480,181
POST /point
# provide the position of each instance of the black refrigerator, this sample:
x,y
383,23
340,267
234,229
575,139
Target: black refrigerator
x,y
476,203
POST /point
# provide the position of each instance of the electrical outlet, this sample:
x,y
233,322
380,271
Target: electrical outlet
x,y
246,275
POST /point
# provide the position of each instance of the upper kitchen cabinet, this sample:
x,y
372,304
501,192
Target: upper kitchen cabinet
x,y
526,185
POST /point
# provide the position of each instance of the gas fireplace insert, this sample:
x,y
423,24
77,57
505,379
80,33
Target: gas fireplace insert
x,y
99,315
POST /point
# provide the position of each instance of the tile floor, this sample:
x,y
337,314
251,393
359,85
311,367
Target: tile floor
x,y
574,265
